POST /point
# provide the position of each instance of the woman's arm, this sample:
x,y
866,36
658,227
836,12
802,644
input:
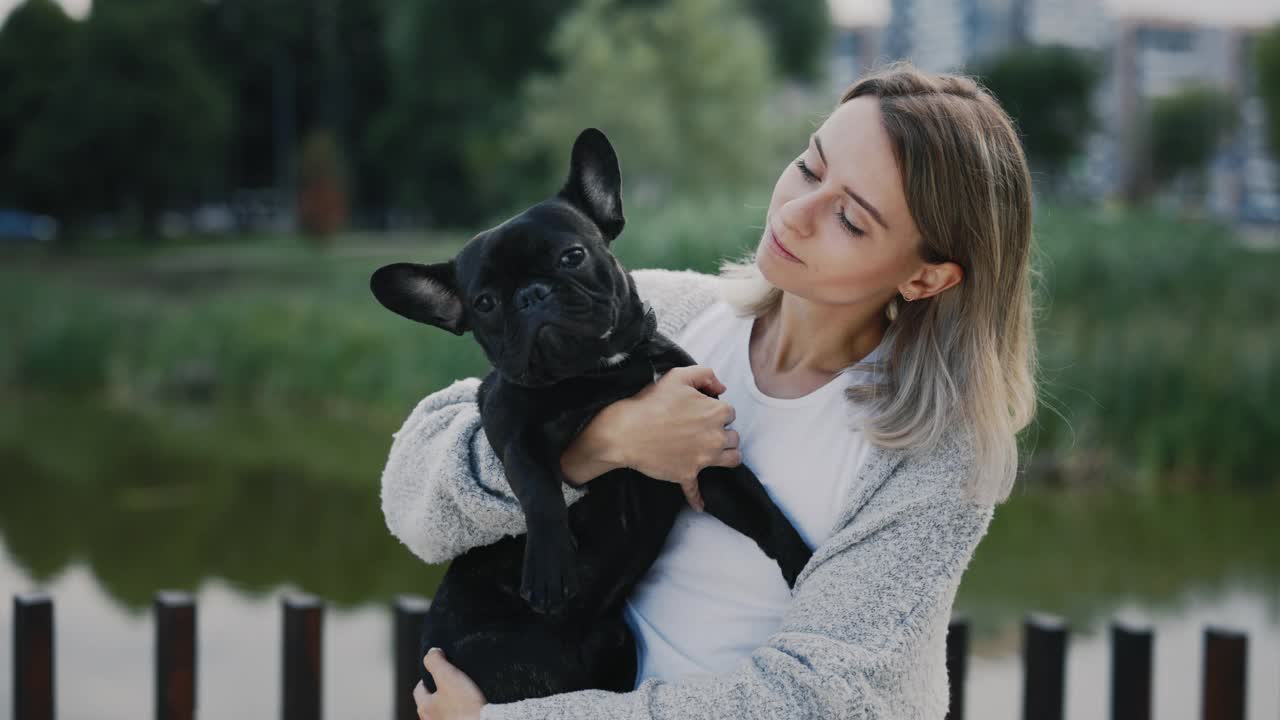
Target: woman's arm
x,y
444,489
864,633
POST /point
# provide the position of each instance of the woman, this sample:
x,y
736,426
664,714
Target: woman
x,y
878,361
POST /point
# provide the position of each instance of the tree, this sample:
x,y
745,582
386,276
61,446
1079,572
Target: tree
x,y
455,71
1048,92
259,50
35,42
1184,130
294,67
800,34
680,87
135,123
1267,61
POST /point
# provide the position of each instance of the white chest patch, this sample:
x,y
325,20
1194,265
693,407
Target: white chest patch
x,y
615,359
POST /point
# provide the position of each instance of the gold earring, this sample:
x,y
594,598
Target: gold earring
x,y
907,296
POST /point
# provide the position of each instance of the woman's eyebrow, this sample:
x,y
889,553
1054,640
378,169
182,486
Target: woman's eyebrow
x,y
858,198
818,143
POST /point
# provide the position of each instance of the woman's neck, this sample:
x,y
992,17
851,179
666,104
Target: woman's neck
x,y
801,337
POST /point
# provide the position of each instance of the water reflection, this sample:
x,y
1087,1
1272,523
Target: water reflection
x,y
101,507
149,504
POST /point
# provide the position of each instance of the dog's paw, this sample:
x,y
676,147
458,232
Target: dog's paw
x,y
549,577
792,559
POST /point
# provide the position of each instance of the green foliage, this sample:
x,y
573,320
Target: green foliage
x,y
679,88
133,121
293,67
800,33
1157,344
1156,336
1267,61
1047,91
456,68
35,41
162,104
266,341
692,233
1185,129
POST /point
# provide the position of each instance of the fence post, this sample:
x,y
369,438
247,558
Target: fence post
x,y
32,657
957,665
303,626
1130,672
175,656
1044,654
1225,653
410,610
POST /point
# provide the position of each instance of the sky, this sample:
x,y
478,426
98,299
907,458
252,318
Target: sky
x,y
1214,12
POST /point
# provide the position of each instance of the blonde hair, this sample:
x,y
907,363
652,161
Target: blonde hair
x,y
966,355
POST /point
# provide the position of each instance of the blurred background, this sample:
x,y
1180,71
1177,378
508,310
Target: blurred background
x,y
198,391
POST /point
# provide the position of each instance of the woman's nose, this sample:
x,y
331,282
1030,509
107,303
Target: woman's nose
x,y
798,214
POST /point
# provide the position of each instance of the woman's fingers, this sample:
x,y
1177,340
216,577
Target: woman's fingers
x,y
456,695
730,458
693,495
701,377
423,700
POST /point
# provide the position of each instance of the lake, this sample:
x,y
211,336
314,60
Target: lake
x,y
101,507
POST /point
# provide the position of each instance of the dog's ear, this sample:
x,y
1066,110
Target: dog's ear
x,y
426,293
595,185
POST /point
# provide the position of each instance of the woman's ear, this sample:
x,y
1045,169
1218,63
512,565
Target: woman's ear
x,y
931,279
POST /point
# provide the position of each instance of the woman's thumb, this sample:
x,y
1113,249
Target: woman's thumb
x,y
435,662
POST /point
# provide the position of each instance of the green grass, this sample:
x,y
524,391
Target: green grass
x,y
1160,347
1158,336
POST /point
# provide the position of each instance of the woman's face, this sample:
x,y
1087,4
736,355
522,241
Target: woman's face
x,y
840,211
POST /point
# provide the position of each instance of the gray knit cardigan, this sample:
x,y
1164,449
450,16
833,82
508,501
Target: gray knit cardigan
x,y
865,634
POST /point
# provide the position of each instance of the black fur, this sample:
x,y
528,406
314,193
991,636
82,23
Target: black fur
x,y
541,613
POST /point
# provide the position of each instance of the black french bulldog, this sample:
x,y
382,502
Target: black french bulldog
x,y
561,321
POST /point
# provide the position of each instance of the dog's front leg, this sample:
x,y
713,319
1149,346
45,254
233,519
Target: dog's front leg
x,y
548,577
738,499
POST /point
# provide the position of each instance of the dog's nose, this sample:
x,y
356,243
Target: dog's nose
x,y
532,294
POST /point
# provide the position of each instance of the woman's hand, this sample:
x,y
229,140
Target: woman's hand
x,y
670,430
455,698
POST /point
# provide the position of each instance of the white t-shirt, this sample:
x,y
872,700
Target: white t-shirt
x,y
713,596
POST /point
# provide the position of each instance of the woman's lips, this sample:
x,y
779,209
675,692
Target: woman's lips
x,y
778,248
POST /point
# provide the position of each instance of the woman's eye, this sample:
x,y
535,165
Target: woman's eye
x,y
573,257
484,303
804,170
848,225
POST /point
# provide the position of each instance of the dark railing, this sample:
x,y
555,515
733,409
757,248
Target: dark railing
x,y
1044,653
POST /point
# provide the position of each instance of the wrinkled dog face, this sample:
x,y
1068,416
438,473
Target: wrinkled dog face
x,y
542,292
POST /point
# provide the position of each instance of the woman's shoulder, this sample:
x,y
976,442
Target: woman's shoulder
x,y
676,296
936,473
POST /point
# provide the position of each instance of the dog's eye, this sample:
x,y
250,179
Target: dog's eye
x,y
573,257
484,303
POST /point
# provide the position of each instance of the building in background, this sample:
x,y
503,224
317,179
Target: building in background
x,y
1144,57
